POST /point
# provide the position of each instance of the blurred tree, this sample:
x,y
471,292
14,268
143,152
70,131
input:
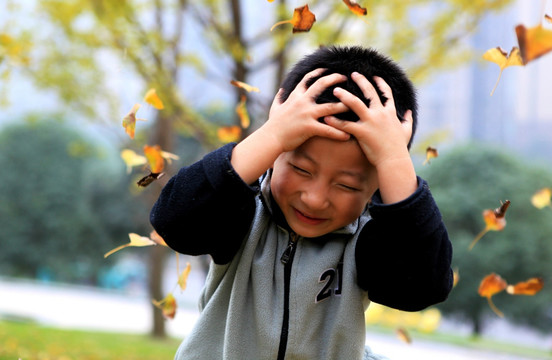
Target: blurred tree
x,y
61,207
161,42
468,179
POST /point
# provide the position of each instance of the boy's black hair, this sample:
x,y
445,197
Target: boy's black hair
x,y
366,61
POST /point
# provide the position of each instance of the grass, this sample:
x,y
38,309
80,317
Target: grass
x,y
29,341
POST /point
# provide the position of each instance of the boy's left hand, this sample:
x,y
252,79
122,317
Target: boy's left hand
x,y
380,134
382,137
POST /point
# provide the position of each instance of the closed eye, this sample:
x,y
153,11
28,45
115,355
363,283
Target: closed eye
x,y
348,188
299,170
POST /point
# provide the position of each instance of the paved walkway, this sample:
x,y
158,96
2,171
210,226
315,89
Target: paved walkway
x,y
76,307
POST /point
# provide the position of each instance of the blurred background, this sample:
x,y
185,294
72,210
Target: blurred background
x,y
71,70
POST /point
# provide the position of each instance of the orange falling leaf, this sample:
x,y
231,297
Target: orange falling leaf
x,y
302,20
167,305
542,198
455,277
355,8
155,237
533,42
500,57
244,86
494,221
491,285
529,287
135,240
404,335
430,154
132,159
229,134
183,277
241,110
153,99
129,121
155,159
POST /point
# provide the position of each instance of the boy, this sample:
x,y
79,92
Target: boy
x,y
311,217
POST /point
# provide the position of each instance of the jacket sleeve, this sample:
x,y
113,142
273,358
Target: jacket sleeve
x,y
206,208
403,253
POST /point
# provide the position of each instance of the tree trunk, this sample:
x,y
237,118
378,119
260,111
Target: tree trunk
x,y
162,136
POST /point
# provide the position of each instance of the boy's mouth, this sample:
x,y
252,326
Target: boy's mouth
x,y
307,218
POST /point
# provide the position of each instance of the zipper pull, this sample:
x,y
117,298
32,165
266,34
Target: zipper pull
x,y
289,249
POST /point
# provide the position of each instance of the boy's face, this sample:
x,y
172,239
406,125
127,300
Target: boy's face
x,y
322,185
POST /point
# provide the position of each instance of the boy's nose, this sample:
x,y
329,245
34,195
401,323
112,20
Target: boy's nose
x,y
315,198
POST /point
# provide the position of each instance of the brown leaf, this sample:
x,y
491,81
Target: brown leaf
x,y
404,335
529,287
355,7
430,154
533,42
302,20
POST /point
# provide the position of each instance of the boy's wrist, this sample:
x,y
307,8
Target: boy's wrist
x,y
396,179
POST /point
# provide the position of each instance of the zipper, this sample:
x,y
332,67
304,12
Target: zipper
x,y
287,260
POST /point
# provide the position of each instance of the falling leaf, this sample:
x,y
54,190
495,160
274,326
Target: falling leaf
x,y
229,134
169,156
241,110
135,240
148,179
153,99
183,278
533,42
155,158
494,221
355,7
155,237
548,18
244,86
404,335
542,198
430,154
529,287
491,285
132,159
455,277
302,20
129,121
167,305
498,56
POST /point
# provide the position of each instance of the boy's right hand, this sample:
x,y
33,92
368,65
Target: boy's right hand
x,y
295,120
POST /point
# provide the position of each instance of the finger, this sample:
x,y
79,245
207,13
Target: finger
x,y
303,83
368,90
343,125
331,132
278,97
330,109
407,124
350,100
386,91
325,82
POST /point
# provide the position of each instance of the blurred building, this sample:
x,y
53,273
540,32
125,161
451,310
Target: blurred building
x,y
518,115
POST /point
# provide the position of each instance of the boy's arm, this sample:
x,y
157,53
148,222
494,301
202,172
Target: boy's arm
x,y
403,254
206,208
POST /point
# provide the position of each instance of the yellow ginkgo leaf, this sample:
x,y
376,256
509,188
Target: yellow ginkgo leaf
x,y
498,56
169,156
533,42
542,198
155,159
431,153
244,86
229,134
167,305
241,110
135,240
132,159
129,121
183,277
153,99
